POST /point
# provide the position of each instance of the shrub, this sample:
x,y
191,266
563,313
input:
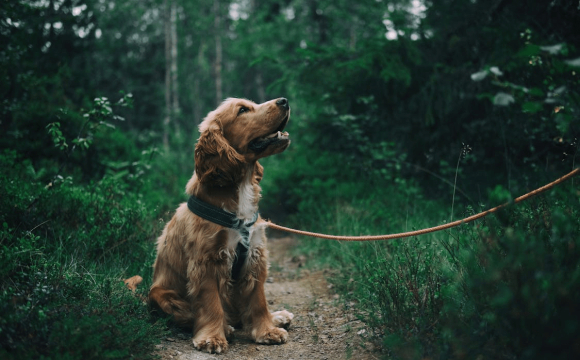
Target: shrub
x,y
64,251
505,287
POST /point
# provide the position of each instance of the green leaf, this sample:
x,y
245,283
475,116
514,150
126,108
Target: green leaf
x,y
536,92
107,124
532,107
573,62
529,50
496,71
553,49
503,99
478,76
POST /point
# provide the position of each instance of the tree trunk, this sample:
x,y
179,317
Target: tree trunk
x,y
196,101
174,79
259,79
167,119
218,52
260,87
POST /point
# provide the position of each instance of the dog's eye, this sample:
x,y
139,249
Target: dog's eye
x,y
243,109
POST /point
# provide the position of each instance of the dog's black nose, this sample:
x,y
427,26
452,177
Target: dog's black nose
x,y
283,102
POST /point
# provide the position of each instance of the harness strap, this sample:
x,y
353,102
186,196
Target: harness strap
x,y
230,220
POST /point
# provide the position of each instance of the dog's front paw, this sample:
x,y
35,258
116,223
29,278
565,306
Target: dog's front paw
x,y
272,335
210,344
282,319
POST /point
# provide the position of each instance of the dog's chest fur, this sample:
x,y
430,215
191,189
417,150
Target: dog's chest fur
x,y
248,197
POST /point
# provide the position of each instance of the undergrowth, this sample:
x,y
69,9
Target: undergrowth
x,y
75,220
64,253
504,287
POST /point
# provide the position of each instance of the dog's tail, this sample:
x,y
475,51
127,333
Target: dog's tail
x,y
167,300
171,303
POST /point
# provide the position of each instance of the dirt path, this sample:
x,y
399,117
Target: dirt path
x,y
321,329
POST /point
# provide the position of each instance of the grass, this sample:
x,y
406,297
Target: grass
x,y
492,289
63,261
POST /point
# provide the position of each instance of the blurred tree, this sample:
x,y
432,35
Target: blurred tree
x,y
217,13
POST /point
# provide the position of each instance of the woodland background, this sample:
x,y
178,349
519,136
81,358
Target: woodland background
x,y
405,114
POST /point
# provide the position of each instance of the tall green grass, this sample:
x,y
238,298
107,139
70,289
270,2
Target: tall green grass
x,y
506,287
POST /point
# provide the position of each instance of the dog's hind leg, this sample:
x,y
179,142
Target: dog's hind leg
x,y
171,303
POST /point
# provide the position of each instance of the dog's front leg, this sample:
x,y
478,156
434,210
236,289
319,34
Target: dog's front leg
x,y
210,327
253,304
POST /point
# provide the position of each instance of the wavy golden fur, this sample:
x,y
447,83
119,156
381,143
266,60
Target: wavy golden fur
x,y
192,272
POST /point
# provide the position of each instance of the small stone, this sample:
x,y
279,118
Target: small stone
x,y
170,339
257,348
271,302
270,280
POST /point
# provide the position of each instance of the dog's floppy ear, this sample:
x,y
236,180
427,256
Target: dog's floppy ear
x,y
215,160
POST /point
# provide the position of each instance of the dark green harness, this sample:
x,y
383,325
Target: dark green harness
x,y
230,220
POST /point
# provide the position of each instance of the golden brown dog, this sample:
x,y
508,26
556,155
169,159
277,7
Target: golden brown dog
x,y
193,271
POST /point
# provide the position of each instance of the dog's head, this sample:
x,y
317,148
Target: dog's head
x,y
239,132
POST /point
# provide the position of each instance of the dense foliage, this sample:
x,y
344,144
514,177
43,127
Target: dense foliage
x,y
404,114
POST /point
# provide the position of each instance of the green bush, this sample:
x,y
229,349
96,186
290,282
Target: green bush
x,y
516,283
65,249
501,288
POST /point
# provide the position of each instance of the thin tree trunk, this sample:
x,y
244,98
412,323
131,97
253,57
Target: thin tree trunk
x,y
196,92
218,52
174,79
260,87
352,39
167,119
259,79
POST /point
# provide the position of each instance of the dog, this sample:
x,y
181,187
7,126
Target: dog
x,y
200,275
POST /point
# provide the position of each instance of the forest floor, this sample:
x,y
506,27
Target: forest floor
x,y
322,327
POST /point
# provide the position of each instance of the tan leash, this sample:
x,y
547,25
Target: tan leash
x,y
431,229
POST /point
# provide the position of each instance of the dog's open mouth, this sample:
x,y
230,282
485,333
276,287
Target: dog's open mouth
x,y
279,135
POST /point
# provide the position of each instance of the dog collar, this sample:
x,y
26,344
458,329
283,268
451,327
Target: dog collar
x,y
224,218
